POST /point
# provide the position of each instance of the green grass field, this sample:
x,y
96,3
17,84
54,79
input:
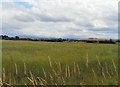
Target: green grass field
x,y
73,63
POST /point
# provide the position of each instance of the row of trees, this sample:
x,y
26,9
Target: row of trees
x,y
5,37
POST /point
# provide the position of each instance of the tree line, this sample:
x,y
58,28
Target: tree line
x,y
5,37
89,40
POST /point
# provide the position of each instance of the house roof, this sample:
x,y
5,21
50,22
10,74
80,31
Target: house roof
x,y
94,39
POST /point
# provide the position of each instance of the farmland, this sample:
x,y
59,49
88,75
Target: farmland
x,y
58,63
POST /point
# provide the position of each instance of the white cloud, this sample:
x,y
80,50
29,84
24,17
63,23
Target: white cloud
x,y
99,24
61,18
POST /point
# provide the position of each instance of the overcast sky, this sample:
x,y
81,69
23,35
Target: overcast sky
x,y
60,18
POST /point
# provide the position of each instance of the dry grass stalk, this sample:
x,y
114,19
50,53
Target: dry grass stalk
x,y
51,79
93,72
98,60
78,69
67,71
41,82
6,84
114,67
31,75
1,83
32,78
63,80
50,76
16,70
50,61
55,73
44,80
25,71
44,72
35,81
86,60
107,70
56,84
32,81
4,76
103,74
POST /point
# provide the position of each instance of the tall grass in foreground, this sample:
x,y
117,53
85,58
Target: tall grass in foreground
x,y
65,74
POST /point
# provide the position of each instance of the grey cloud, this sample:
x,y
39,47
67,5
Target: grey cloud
x,y
11,26
86,24
24,18
47,18
104,30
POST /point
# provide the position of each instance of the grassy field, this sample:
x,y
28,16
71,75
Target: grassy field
x,y
68,63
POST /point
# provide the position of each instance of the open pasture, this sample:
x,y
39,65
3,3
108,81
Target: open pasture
x,y
59,63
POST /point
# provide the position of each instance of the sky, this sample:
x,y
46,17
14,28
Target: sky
x,y
60,18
